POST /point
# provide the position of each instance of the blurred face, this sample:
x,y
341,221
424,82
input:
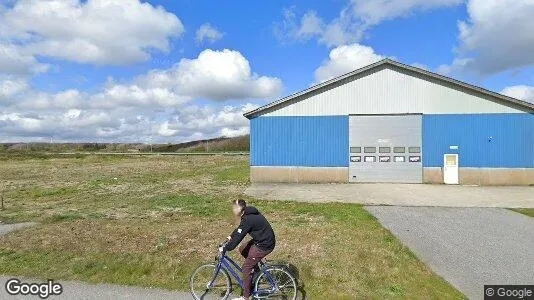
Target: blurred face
x,y
236,209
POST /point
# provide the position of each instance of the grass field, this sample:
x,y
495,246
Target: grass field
x,y
149,221
526,211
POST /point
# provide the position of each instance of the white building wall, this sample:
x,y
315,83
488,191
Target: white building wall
x,y
389,92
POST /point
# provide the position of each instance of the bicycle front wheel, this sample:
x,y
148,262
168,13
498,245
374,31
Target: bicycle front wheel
x,y
286,283
200,280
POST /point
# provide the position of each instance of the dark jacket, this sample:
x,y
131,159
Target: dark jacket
x,y
255,224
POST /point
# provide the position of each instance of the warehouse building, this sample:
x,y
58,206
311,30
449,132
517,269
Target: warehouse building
x,y
390,122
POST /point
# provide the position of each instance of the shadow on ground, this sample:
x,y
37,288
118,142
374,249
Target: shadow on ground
x,y
294,271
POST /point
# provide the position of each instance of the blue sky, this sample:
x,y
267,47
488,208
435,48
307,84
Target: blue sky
x,y
171,71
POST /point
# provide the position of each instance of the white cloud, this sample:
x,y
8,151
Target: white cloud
x,y
310,24
164,129
62,125
14,62
229,132
119,95
68,99
496,37
372,12
353,20
19,123
100,32
342,30
208,33
203,122
521,92
20,97
344,59
458,64
185,123
12,87
213,75
216,75
157,106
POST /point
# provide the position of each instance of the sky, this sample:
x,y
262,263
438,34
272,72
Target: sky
x,y
168,71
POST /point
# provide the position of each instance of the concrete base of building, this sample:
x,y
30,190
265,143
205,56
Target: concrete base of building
x,y
468,176
299,174
484,176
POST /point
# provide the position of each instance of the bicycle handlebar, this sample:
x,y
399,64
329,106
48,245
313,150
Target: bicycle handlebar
x,y
224,243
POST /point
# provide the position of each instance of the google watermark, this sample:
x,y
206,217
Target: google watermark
x,y
523,292
43,290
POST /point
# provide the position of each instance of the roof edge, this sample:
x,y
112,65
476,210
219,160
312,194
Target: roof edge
x,y
388,61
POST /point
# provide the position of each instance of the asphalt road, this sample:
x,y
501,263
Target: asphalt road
x,y
85,291
468,247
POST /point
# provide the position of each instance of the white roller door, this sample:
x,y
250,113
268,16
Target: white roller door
x,y
385,148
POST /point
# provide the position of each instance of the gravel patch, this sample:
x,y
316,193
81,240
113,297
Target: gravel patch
x,y
7,228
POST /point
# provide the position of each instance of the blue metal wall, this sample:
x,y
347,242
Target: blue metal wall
x,y
320,141
484,140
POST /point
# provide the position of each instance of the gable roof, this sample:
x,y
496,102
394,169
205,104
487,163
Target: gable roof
x,y
385,62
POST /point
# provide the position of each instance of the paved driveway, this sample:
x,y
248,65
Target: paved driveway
x,y
399,194
469,247
85,291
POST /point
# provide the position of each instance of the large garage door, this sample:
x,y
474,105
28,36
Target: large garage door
x,y
385,148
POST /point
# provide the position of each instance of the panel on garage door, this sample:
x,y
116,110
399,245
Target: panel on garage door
x,y
385,148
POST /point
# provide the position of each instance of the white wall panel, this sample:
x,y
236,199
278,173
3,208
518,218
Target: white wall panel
x,y
391,92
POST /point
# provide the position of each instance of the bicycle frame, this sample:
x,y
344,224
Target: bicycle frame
x,y
228,264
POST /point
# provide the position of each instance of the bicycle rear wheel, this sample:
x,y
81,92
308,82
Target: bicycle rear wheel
x,y
287,285
201,278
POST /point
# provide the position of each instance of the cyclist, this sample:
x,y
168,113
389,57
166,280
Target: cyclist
x,y
262,243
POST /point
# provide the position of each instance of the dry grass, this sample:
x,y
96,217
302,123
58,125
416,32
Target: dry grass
x,y
151,220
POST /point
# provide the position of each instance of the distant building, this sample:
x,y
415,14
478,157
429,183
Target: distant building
x,y
389,122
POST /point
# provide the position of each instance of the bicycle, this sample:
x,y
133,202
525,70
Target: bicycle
x,y
213,281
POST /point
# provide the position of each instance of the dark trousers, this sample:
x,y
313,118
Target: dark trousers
x,y
252,255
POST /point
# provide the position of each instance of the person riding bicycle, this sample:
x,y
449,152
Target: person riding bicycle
x,y
262,243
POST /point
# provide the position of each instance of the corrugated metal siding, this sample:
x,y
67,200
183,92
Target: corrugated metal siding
x,y
389,91
299,141
484,140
